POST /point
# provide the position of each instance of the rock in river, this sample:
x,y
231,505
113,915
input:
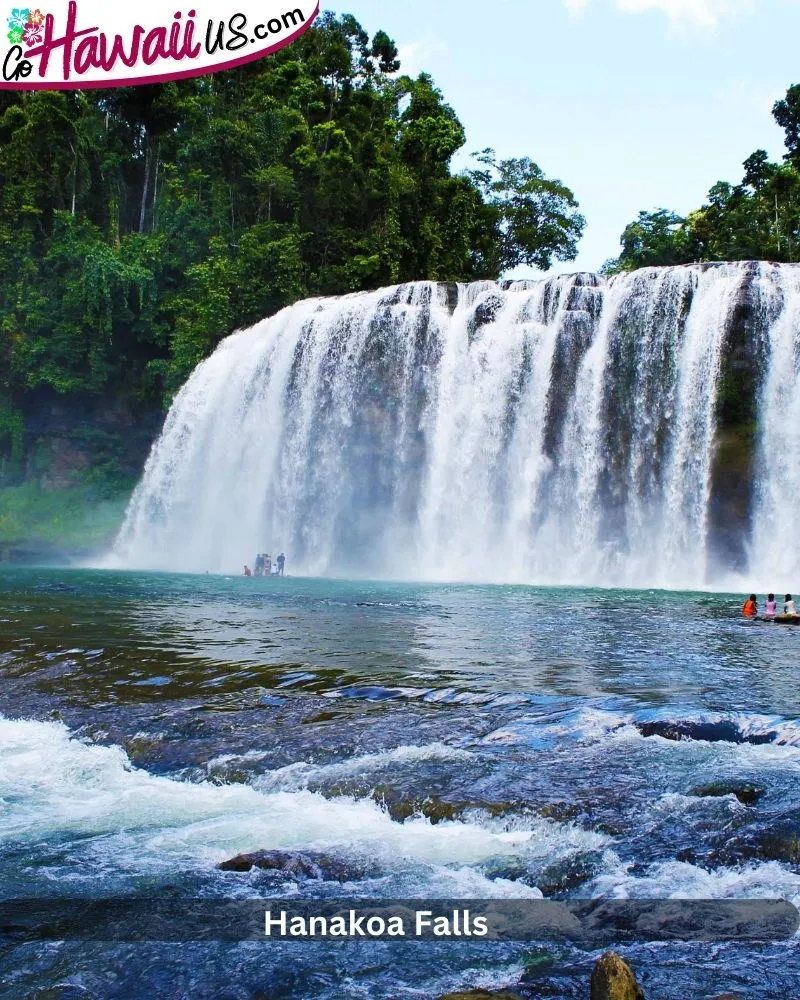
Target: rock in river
x,y
747,794
613,979
481,995
305,865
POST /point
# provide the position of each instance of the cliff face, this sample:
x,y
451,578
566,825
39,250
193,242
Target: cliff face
x,y
65,485
75,442
744,361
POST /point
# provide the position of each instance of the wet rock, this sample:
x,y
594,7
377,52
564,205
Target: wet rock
x,y
487,311
481,995
560,812
747,794
613,979
779,840
401,806
569,874
709,732
451,292
63,991
306,865
555,879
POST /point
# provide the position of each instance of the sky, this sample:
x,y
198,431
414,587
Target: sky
x,y
634,104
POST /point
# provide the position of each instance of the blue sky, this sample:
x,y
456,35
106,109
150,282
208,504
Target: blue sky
x,y
635,104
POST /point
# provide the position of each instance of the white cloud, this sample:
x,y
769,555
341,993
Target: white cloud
x,y
702,12
416,56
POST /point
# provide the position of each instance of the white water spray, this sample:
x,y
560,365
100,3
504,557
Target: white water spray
x,y
559,432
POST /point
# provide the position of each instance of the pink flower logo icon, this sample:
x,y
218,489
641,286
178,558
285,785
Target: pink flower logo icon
x,y
33,34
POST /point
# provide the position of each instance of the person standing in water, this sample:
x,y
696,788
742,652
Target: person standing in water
x,y
280,562
771,607
267,565
789,608
248,571
750,609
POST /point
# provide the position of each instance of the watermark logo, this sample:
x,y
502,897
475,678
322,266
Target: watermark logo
x,y
93,44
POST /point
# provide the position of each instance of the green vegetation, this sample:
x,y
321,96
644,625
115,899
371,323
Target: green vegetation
x,y
758,219
38,523
139,226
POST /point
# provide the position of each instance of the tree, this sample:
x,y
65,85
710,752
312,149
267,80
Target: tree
x,y
537,219
139,226
787,114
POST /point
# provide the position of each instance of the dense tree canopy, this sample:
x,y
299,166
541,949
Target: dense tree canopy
x,y
138,226
758,219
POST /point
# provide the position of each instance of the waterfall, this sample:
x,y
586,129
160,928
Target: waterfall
x,y
564,431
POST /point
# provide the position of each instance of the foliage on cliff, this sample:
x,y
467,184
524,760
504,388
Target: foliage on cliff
x,y
758,219
139,226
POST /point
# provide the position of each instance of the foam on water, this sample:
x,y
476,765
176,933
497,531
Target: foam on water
x,y
55,786
299,775
680,880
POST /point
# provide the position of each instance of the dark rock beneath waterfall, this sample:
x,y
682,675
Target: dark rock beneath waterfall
x,y
306,865
613,979
451,292
742,365
747,794
486,312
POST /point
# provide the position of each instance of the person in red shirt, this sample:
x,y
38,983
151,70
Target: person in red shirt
x,y
750,609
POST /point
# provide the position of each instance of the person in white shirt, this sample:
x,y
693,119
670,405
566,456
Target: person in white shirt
x,y
789,608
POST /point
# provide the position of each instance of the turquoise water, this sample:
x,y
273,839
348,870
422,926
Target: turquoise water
x,y
438,741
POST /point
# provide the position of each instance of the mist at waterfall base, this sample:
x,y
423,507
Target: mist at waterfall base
x,y
435,741
557,432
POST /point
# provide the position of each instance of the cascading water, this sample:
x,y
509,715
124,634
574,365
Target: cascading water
x,y
561,431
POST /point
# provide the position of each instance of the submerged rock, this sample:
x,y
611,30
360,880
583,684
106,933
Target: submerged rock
x,y
306,865
553,879
562,877
613,979
402,806
747,794
776,840
723,731
481,995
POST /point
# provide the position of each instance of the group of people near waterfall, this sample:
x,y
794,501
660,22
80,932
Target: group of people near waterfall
x,y
750,609
264,565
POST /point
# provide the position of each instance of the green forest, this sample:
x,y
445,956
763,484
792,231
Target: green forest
x,y
758,219
139,226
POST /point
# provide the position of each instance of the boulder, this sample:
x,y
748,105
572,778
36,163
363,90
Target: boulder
x,y
306,865
747,794
724,731
613,979
777,841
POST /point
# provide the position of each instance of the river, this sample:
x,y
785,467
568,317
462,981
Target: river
x,y
437,741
